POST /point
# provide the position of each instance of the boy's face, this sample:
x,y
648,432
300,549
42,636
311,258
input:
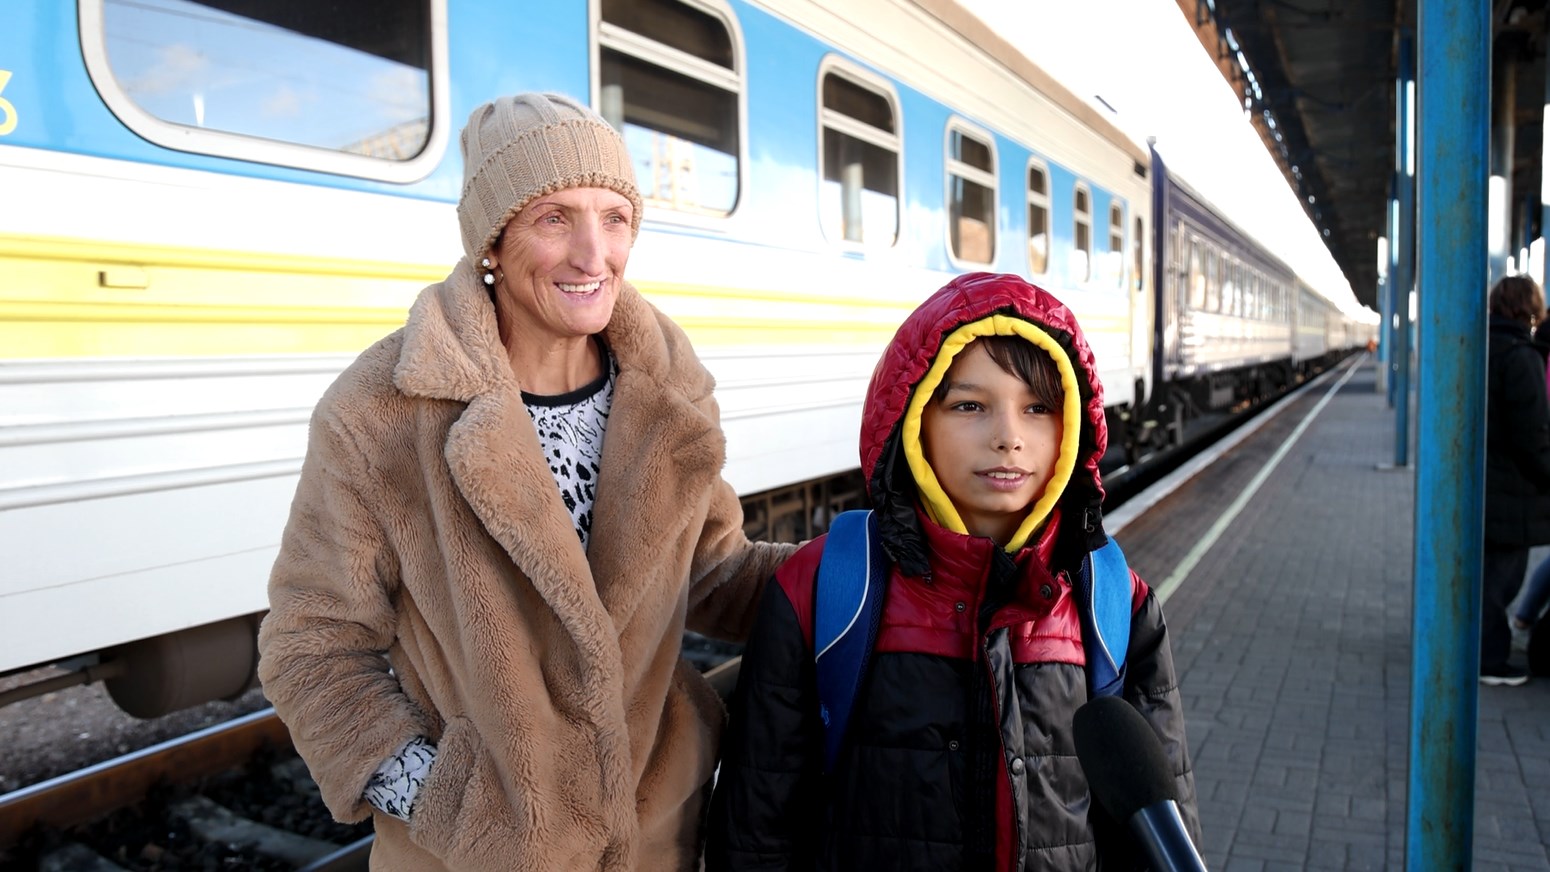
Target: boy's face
x,y
992,443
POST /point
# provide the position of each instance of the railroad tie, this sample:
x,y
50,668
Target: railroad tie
x,y
215,823
76,857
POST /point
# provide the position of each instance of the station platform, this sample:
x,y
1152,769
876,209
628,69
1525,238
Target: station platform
x,y
1285,564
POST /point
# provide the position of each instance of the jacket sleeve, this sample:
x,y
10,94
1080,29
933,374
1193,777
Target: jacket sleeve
x,y
1152,686
729,572
323,645
1526,412
767,809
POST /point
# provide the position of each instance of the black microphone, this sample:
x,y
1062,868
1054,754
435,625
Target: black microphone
x,y
1128,774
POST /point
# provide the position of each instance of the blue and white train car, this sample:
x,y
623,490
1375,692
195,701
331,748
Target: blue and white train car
x,y
212,205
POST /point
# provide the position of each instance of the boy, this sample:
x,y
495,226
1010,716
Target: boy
x,y
980,441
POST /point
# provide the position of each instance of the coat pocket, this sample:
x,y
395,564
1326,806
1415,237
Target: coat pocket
x,y
452,815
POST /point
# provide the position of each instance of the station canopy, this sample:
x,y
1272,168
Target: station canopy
x,y
1318,80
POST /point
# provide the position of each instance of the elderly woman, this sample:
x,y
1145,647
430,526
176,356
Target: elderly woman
x,y
477,612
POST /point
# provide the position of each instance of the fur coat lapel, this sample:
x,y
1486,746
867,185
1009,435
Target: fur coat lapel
x,y
661,429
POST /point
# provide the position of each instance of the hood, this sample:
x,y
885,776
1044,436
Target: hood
x,y
913,364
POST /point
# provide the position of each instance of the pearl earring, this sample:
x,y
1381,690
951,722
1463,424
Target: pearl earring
x,y
489,277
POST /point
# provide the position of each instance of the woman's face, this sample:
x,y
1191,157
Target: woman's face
x,y
560,262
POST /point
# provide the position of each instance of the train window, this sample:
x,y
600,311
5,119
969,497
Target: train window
x,y
859,191
1177,271
670,78
1138,256
1038,219
360,95
1197,276
1213,301
1116,255
971,194
1230,285
1224,283
1082,234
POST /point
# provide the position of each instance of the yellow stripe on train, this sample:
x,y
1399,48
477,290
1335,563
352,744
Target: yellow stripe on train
x,y
63,298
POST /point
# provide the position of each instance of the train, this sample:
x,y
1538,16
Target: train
x,y
211,206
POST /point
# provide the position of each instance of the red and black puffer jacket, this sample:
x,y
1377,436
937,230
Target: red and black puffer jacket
x,y
959,754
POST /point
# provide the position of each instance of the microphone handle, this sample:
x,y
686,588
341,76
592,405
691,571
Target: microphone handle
x,y
1160,830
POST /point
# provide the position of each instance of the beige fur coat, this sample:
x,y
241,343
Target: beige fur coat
x,y
430,582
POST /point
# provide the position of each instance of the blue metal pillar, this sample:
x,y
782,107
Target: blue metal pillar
x,y
1454,138
1404,245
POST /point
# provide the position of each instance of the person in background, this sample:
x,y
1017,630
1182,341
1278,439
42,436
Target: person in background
x,y
1517,466
980,441
510,510
1531,601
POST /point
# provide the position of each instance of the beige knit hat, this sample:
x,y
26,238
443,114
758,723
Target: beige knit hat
x,y
524,146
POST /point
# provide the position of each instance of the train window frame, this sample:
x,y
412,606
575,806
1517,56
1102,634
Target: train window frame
x,y
1195,298
1138,253
1081,266
606,36
1176,267
1230,285
92,28
956,168
836,121
1213,257
1116,252
1039,200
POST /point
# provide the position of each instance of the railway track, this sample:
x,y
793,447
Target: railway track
x,y
233,796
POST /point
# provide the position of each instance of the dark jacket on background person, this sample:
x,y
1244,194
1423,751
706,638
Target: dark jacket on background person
x,y
960,752
1517,439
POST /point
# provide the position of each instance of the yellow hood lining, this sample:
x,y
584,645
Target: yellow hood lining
x,y
939,507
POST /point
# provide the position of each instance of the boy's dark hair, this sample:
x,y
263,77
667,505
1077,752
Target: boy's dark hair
x,y
1017,356
1518,298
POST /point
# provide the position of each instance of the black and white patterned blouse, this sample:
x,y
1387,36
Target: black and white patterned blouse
x,y
570,430
393,787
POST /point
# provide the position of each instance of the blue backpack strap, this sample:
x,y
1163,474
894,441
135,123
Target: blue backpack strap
x,y
1104,597
848,608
